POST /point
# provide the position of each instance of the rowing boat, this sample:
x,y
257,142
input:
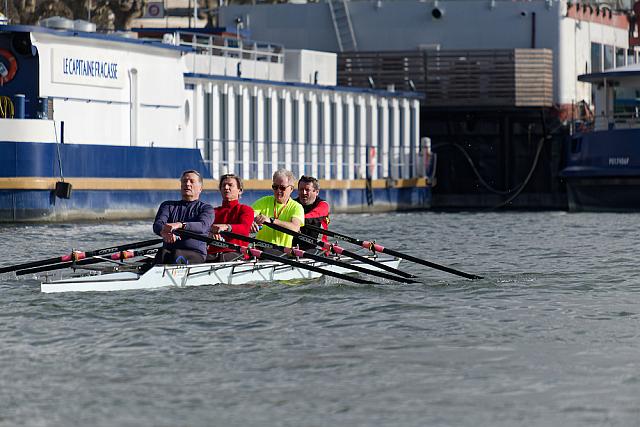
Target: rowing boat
x,y
229,273
271,263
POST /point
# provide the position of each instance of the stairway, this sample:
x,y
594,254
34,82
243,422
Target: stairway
x,y
342,25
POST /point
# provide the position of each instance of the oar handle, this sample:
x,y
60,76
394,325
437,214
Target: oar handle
x,y
248,239
335,235
264,255
211,241
300,236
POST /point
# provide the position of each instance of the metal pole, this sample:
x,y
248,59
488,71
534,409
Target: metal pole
x,y
195,13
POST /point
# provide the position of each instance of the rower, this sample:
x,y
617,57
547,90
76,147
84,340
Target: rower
x,y
231,216
279,209
316,210
190,214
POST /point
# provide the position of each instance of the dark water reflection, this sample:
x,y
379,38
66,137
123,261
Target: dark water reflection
x,y
549,337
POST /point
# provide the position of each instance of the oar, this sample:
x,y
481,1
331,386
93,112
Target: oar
x,y
302,254
264,255
78,255
120,256
379,248
338,250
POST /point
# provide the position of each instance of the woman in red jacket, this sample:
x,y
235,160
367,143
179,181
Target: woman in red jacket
x,y
231,216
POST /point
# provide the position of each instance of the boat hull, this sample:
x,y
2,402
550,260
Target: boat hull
x,y
604,195
603,171
179,276
142,178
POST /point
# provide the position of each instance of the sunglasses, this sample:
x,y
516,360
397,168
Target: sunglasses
x,y
281,187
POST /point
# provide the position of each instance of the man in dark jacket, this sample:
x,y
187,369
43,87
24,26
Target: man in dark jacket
x,y
188,214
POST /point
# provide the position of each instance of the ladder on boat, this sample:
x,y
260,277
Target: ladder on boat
x,y
342,25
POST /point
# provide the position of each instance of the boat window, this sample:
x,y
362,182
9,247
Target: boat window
x,y
295,126
239,134
413,140
357,116
631,57
321,149
380,145
626,105
369,138
281,133
596,57
345,141
308,135
268,158
224,134
333,134
392,141
402,172
620,57
608,57
253,140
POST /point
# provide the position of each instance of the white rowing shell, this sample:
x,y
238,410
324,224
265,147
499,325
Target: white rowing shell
x,y
230,273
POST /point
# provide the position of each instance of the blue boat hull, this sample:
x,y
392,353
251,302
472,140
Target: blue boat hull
x,y
115,182
603,171
604,195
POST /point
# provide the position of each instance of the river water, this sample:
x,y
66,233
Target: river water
x,y
549,337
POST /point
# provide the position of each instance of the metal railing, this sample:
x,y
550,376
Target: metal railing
x,y
620,120
230,47
254,159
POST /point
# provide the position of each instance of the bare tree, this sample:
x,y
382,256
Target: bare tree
x,y
47,9
212,12
106,14
124,12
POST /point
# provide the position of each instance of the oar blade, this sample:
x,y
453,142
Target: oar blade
x,y
16,267
84,255
59,266
93,260
431,264
397,254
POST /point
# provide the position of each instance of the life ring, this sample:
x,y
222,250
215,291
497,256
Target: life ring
x,y
7,74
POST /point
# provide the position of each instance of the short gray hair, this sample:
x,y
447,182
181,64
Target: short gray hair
x,y
285,173
195,172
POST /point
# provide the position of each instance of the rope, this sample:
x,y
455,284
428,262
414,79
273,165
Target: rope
x,y
466,155
518,189
7,110
55,132
533,168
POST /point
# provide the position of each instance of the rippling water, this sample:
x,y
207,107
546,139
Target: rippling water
x,y
549,337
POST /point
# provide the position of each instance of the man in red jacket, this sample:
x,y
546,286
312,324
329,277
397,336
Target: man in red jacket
x,y
316,210
231,216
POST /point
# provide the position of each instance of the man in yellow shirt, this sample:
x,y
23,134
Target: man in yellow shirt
x,y
279,209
